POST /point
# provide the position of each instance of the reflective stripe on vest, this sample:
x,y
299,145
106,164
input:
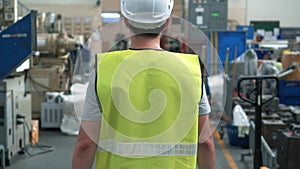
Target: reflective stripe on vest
x,y
150,108
148,149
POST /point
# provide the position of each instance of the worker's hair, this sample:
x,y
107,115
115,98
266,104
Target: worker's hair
x,y
153,33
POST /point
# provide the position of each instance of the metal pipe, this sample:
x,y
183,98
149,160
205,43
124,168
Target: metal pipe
x,y
269,155
285,73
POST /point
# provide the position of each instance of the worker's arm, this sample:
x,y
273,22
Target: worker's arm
x,y
206,150
86,145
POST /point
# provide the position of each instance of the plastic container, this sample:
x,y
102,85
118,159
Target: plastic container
x,y
239,116
232,132
289,92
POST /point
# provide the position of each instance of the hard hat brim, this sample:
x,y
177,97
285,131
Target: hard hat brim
x,y
146,26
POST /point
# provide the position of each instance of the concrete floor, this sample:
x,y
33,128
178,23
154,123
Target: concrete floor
x,y
61,157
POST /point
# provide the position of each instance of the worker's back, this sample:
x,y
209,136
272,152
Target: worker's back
x,y
149,100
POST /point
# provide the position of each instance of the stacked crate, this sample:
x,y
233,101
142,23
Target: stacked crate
x,y
87,27
67,24
79,26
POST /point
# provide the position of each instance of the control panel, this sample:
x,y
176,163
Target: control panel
x,y
209,14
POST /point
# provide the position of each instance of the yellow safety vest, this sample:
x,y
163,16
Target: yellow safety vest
x,y
149,100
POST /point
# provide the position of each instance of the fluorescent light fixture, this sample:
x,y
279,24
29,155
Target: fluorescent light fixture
x,y
110,15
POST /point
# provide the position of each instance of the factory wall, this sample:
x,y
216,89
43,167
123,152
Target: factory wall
x,y
67,9
84,16
239,10
83,7
286,11
244,11
114,5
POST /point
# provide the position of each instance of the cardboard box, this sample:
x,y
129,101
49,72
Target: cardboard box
x,y
36,102
43,79
289,59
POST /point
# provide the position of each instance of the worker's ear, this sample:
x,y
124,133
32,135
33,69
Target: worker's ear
x,y
126,22
168,21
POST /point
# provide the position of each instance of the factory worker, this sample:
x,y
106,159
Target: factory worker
x,y
145,107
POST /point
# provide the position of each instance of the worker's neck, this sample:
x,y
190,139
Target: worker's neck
x,y
142,42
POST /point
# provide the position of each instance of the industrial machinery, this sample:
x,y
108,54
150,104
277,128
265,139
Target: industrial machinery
x,y
15,116
206,15
49,58
271,130
55,44
21,36
18,41
52,66
288,149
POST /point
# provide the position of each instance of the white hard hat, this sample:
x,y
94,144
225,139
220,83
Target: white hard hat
x,y
147,14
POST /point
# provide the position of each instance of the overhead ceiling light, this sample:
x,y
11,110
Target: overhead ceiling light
x,y
110,15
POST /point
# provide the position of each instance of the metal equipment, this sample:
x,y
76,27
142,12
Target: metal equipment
x,y
271,130
288,150
52,69
296,114
55,44
258,102
18,41
268,156
209,14
53,61
15,114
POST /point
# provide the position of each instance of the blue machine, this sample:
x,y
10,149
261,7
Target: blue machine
x,y
234,40
228,45
17,43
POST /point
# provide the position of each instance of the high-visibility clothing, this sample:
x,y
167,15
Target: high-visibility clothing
x,y
149,100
